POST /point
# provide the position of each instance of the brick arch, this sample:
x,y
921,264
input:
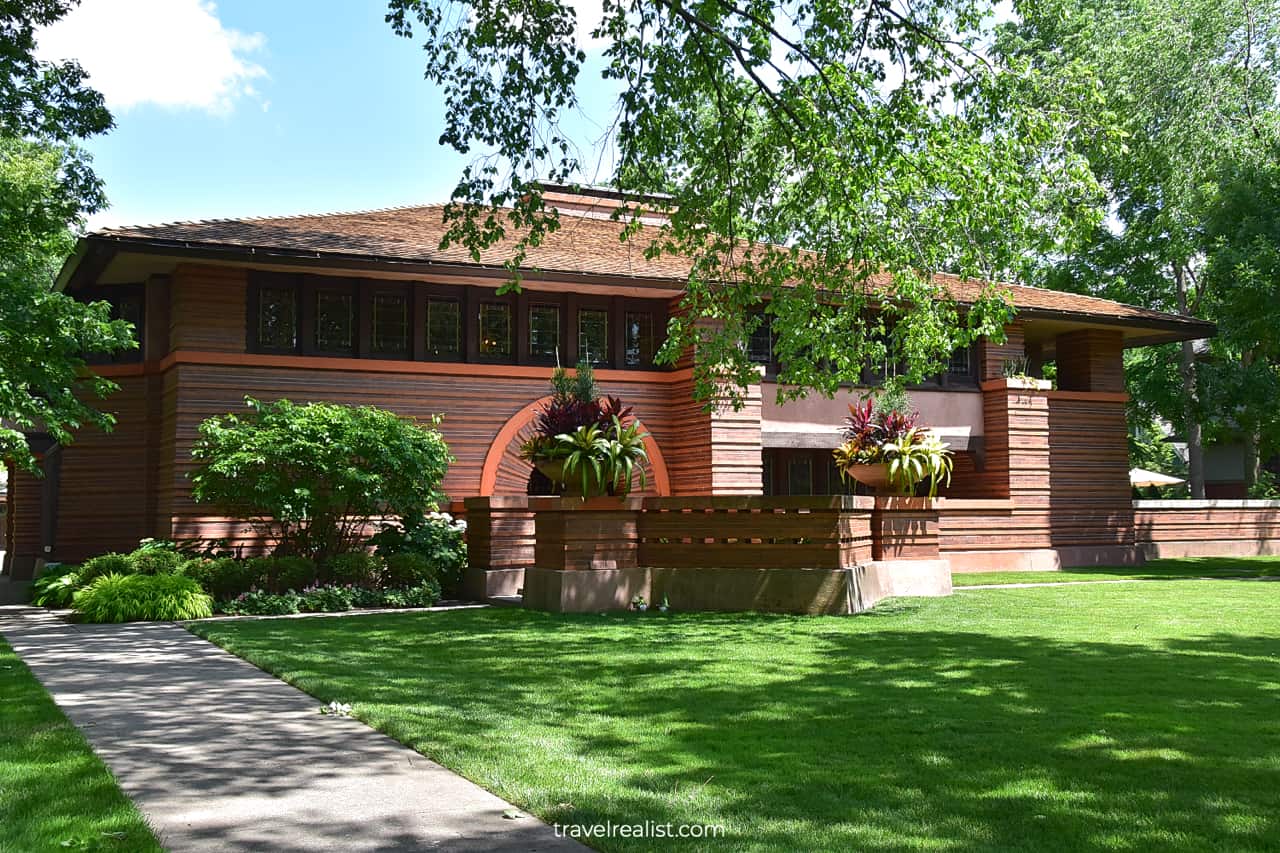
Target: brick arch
x,y
503,466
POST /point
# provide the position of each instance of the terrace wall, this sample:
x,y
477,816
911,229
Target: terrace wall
x,y
1211,528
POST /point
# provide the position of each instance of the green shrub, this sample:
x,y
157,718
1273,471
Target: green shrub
x,y
365,597
139,598
423,595
262,603
56,585
358,568
155,561
408,568
327,599
281,574
438,537
222,578
312,477
106,564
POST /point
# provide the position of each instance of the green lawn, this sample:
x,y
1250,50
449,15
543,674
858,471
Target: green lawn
x,y
1197,567
1110,717
54,792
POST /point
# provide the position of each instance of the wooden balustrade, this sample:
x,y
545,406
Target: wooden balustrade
x,y
755,532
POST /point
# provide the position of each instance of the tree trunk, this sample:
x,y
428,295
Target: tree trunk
x,y
1251,437
1195,447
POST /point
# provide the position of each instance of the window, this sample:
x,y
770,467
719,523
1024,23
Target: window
x,y
760,345
799,475
638,347
443,328
277,319
127,303
495,330
344,317
544,331
335,321
389,332
593,335
960,366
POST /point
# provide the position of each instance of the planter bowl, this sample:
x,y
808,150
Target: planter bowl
x,y
553,470
874,475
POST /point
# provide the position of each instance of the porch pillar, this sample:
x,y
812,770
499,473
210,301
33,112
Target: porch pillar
x,y
1090,360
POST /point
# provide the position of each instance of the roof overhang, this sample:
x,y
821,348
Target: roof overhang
x,y
97,246
1138,332
94,252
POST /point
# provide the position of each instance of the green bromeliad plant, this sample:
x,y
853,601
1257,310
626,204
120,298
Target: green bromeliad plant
x,y
583,442
916,457
600,459
883,444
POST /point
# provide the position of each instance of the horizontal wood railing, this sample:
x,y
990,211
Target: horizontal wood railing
x,y
755,532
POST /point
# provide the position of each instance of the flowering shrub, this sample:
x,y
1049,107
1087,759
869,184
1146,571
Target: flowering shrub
x,y
258,602
311,477
326,599
438,537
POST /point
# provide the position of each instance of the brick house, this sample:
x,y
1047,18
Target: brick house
x,y
365,308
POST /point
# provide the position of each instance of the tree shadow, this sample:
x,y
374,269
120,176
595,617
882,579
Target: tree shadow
x,y
810,733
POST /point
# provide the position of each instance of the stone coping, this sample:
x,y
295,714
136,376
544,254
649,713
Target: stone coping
x,y
1216,503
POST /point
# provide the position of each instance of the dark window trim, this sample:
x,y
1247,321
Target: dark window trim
x,y
366,296
104,293
312,286
476,297
527,301
587,302
424,294
469,298
282,281
657,311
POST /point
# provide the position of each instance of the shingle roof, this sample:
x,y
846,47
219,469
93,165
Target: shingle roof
x,y
587,243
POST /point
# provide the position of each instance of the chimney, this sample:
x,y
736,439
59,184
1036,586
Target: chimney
x,y
601,202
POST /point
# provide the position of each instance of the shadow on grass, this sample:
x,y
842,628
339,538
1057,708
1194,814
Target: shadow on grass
x,y
1189,567
800,733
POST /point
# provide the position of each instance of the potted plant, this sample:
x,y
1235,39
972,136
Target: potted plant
x,y
883,448
584,444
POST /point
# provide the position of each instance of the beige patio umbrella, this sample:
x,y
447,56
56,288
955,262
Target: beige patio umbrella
x,y
1140,477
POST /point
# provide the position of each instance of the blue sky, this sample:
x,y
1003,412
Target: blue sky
x,y
261,107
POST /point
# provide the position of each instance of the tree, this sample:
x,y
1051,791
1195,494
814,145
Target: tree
x,y
1242,276
817,160
1193,84
47,187
312,478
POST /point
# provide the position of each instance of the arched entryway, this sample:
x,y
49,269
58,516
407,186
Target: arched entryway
x,y
505,473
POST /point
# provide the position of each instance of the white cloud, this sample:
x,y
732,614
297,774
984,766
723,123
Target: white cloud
x,y
173,53
589,14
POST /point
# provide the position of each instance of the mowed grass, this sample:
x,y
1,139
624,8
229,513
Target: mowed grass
x,y
1194,567
1129,717
55,794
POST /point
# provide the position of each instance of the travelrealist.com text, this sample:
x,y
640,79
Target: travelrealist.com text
x,y
647,829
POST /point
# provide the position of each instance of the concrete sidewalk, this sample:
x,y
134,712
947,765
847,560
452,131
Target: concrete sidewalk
x,y
221,756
